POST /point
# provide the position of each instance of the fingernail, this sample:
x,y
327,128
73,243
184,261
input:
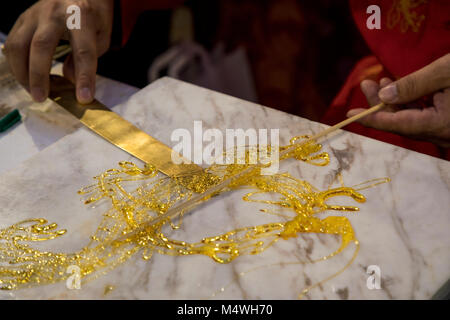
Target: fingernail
x,y
38,94
84,95
389,93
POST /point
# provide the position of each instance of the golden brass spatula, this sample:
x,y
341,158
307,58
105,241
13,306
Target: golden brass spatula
x,y
118,131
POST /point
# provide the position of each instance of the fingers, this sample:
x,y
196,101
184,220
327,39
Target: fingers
x,y
354,112
441,101
385,82
42,49
428,122
406,122
85,61
370,89
31,43
431,78
17,48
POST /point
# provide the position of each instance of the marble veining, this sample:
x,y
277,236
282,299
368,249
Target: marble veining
x,y
402,228
45,123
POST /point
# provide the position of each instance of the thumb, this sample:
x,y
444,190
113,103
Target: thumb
x,y
429,79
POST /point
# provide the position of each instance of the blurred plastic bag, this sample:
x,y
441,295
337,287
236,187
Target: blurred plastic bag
x,y
227,73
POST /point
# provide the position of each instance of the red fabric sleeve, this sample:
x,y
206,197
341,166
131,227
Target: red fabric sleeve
x,y
413,33
131,9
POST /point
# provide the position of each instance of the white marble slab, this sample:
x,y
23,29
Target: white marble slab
x,y
402,228
45,123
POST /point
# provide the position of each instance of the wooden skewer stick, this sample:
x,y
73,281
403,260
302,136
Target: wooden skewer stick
x,y
338,126
191,203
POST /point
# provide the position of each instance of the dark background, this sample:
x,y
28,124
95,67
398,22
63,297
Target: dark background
x,y
300,52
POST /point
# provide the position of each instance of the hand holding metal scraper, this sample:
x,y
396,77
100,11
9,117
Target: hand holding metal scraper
x,y
32,41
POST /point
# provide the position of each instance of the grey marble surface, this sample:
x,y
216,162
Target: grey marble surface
x,y
402,228
45,123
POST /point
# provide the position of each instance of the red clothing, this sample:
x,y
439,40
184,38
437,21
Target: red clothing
x,y
404,48
413,34
131,9
398,49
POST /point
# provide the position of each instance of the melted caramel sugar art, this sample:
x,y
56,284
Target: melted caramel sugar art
x,y
118,237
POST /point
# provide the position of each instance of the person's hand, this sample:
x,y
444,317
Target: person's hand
x,y
33,39
402,115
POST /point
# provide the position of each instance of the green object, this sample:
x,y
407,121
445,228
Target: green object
x,y
9,120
